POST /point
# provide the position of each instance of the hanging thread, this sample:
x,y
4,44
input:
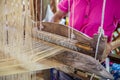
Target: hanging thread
x,y
100,31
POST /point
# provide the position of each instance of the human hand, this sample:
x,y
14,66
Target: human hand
x,y
106,52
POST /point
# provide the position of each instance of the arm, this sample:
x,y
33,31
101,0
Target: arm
x,y
53,4
63,10
115,44
110,46
58,16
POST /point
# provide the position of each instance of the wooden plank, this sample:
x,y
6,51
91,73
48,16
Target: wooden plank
x,y
63,31
82,62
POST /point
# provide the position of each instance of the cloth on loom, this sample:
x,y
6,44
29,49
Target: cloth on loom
x,y
87,15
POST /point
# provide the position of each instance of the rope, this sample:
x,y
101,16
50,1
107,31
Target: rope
x,y
72,34
69,20
6,18
41,16
36,13
100,31
71,28
103,13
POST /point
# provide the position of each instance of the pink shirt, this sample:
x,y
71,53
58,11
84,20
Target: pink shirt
x,y
87,15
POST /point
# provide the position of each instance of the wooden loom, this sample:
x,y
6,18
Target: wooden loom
x,y
27,50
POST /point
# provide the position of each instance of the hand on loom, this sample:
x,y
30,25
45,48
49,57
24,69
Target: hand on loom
x,y
110,46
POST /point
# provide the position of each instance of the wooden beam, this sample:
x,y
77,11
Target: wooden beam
x,y
62,30
82,62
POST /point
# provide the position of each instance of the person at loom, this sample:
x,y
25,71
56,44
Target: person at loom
x,y
85,16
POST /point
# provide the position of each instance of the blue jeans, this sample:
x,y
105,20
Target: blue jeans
x,y
59,75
